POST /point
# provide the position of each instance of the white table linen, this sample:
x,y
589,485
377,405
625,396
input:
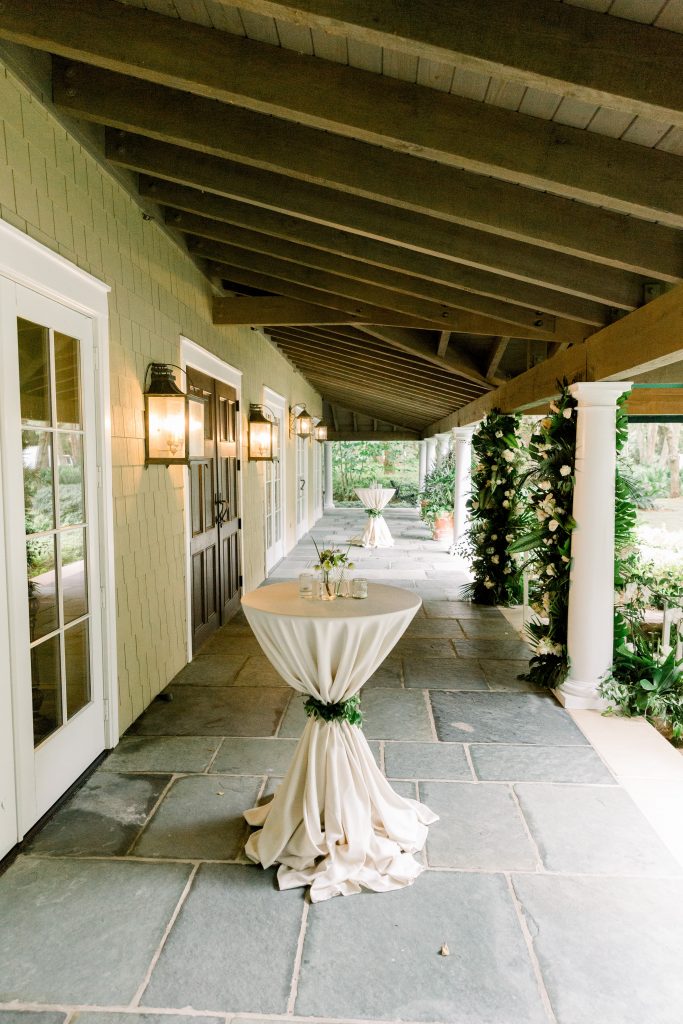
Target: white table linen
x,y
334,823
376,533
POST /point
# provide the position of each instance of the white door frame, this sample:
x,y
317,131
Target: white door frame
x,y
278,405
25,262
201,359
301,445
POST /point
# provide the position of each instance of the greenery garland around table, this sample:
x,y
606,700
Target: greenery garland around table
x,y
550,491
497,511
343,711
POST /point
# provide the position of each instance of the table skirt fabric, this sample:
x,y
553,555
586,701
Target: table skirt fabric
x,y
335,823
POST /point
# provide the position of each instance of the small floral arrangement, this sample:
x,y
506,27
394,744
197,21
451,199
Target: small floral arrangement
x,y
332,563
498,511
374,513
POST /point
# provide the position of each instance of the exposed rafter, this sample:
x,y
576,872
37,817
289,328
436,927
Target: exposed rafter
x,y
451,130
624,65
398,179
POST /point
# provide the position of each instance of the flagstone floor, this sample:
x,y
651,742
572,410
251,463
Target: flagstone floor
x,y
556,899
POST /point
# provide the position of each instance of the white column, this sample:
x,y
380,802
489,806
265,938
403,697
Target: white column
x,y
422,464
590,625
443,442
430,445
462,440
328,488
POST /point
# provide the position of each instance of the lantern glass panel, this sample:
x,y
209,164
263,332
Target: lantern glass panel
x,y
260,439
304,424
166,425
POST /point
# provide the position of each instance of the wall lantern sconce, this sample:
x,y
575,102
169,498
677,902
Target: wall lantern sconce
x,y
300,423
264,434
174,420
320,431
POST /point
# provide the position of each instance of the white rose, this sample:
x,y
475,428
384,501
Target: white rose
x,y
567,413
545,485
494,536
553,525
495,559
509,455
488,584
509,537
507,570
506,504
550,570
565,470
499,433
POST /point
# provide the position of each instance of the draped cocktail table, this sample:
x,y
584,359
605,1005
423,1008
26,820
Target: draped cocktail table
x,y
376,533
334,823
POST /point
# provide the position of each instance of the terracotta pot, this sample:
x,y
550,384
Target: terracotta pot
x,y
443,527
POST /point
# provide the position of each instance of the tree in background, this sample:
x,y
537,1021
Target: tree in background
x,y
654,453
362,463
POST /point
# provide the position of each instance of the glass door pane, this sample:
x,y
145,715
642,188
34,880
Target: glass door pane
x,y
55,523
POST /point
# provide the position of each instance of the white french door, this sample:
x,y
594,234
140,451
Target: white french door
x,y
301,486
52,535
274,486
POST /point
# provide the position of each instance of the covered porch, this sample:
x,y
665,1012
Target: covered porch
x,y
544,881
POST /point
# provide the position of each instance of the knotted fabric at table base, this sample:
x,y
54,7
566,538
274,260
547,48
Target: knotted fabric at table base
x,y
335,823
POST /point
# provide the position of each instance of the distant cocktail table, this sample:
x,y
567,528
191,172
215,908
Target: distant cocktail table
x,y
334,823
376,534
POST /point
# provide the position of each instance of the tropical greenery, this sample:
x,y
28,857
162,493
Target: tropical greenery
x,y
550,493
438,492
497,511
362,463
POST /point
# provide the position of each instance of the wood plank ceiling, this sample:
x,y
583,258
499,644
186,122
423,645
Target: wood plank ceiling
x,y
416,201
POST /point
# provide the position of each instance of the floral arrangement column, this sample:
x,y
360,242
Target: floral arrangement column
x,y
497,511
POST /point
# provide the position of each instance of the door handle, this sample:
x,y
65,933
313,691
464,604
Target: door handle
x,y
222,510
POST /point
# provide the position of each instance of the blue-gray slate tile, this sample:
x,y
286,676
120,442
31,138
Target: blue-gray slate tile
x,y
162,754
503,718
609,948
426,761
593,830
511,762
377,956
215,711
82,931
201,818
479,828
233,946
103,817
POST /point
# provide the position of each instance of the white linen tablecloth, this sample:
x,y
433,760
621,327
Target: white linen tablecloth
x,y
334,823
376,533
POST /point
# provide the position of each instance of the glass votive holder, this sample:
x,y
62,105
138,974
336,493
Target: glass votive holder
x,y
306,580
317,588
359,587
344,588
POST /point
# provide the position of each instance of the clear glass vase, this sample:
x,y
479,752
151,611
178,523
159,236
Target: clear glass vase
x,y
328,588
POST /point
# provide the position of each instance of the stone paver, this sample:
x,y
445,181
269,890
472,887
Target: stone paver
x,y
201,818
593,830
609,948
509,762
396,972
444,674
479,828
502,718
233,945
426,761
215,711
104,816
162,754
82,931
517,787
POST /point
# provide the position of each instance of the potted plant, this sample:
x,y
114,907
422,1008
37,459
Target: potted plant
x,y
437,497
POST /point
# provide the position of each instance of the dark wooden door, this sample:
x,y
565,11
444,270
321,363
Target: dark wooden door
x,y
214,545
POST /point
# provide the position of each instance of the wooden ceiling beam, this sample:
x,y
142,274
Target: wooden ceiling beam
x,y
344,361
624,65
373,435
392,358
382,111
648,339
212,232
497,354
516,321
388,411
398,179
429,409
615,282
442,346
181,202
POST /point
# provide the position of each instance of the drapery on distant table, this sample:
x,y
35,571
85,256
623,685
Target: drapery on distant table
x,y
334,823
376,534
